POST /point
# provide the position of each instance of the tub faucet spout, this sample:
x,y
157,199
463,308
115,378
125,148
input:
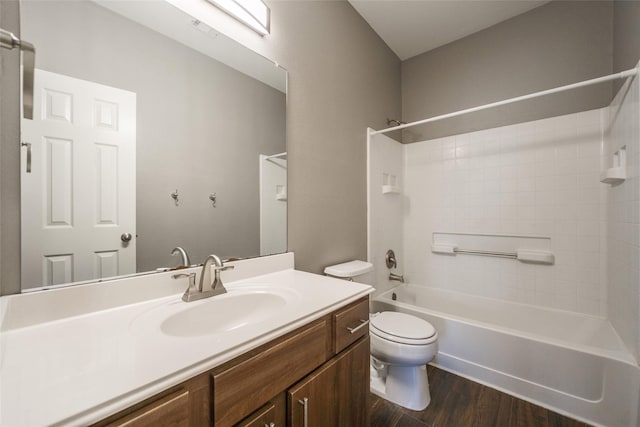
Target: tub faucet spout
x,y
396,277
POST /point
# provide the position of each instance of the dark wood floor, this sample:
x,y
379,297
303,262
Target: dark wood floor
x,y
458,402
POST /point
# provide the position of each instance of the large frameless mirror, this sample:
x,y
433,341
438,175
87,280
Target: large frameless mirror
x,y
151,131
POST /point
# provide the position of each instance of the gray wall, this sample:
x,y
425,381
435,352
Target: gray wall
x,y
9,155
559,43
343,78
626,35
200,127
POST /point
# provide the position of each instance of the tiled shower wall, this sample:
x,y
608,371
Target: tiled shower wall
x,y
538,178
623,218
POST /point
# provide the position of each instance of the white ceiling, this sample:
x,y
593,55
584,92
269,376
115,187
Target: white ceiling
x,y
413,27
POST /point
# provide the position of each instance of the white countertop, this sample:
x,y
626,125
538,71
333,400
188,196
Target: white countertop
x,y
81,369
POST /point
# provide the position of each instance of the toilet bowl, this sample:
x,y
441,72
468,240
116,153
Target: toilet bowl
x,y
401,346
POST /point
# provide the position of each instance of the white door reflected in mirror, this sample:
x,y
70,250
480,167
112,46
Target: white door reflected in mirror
x,y
79,198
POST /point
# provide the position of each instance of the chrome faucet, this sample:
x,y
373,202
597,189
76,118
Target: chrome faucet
x,y
390,260
186,262
192,293
205,278
396,277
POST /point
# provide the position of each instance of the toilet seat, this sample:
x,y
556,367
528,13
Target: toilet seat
x,y
402,328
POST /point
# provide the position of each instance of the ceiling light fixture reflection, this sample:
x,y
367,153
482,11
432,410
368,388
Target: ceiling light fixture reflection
x,y
253,13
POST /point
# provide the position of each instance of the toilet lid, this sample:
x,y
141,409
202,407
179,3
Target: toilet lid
x,y
405,327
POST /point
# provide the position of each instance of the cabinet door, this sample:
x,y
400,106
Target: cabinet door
x,y
313,401
337,394
245,387
186,405
353,386
270,415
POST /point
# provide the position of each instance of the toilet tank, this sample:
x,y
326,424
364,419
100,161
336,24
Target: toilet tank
x,y
358,271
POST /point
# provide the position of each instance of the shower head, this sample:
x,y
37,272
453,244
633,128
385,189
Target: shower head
x,y
394,122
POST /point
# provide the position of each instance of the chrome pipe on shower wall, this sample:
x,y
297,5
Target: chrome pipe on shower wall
x,y
8,40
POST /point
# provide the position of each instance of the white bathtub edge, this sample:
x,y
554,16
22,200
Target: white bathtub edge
x,y
624,357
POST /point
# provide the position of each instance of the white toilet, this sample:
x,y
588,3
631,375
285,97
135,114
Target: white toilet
x,y
401,346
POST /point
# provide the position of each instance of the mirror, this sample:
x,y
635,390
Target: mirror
x,y
151,131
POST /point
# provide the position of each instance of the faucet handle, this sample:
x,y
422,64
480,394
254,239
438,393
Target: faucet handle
x,y
217,282
191,276
192,284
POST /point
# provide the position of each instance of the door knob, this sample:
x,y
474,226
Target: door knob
x,y
125,237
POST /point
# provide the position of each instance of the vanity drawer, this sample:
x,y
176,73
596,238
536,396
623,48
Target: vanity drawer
x,y
243,388
350,324
172,410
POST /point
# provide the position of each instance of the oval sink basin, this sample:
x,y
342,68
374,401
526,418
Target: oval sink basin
x,y
223,313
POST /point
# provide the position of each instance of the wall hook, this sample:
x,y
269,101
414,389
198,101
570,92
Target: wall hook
x,y
174,196
212,197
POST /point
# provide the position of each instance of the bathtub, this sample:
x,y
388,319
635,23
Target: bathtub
x,y
573,364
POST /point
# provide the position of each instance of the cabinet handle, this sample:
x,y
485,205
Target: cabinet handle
x,y
362,324
305,411
271,424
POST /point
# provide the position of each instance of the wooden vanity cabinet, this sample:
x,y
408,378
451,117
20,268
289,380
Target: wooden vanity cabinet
x,y
335,394
325,362
248,384
336,389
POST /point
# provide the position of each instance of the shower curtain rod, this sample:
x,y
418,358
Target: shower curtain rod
x,y
275,155
615,76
